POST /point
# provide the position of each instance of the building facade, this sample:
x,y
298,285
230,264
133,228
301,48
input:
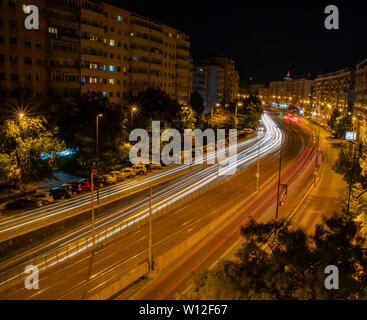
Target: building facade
x,y
296,92
360,98
334,90
230,76
23,54
86,46
209,82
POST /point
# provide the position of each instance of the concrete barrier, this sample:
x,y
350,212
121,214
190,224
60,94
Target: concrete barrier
x,y
122,283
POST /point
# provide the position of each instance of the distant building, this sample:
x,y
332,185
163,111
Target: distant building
x,y
209,81
296,92
231,77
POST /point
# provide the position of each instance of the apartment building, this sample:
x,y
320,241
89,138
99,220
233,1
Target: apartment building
x,y
208,81
23,53
360,98
86,46
231,76
296,92
334,90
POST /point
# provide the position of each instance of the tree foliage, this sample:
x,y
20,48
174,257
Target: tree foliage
x,y
28,151
342,125
350,164
77,123
292,267
334,116
197,103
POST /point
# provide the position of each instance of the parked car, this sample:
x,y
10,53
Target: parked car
x,y
120,176
129,172
140,169
22,203
85,185
43,199
109,179
73,187
60,193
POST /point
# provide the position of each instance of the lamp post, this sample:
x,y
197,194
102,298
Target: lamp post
x,y
238,104
133,109
351,176
97,147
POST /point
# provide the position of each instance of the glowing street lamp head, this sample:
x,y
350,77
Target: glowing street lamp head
x,y
100,115
21,115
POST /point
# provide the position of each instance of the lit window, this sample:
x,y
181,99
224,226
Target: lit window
x,y
104,68
112,68
52,30
104,94
83,79
112,42
112,81
119,18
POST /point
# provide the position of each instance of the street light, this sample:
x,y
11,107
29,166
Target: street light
x,y
21,115
133,109
239,104
97,148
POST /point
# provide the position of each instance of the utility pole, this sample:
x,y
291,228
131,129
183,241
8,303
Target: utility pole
x,y
92,202
97,149
351,177
150,230
317,156
258,169
279,176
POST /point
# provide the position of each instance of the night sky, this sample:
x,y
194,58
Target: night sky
x,y
266,38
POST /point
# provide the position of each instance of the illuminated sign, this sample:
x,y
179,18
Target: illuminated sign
x,y
350,135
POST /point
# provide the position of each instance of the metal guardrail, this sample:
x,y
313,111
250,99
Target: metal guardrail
x,y
4,236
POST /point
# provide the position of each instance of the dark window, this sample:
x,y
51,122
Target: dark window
x,y
12,24
11,4
28,60
12,40
14,77
27,43
2,76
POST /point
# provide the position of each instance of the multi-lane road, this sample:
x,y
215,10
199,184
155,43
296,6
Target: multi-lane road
x,y
84,273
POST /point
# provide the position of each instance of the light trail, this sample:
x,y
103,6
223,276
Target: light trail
x,y
270,142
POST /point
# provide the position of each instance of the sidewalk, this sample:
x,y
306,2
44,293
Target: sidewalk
x,y
325,200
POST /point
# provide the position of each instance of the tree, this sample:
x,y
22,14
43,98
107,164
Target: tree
x,y
28,151
222,119
153,104
197,103
334,116
342,125
350,165
77,123
292,267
